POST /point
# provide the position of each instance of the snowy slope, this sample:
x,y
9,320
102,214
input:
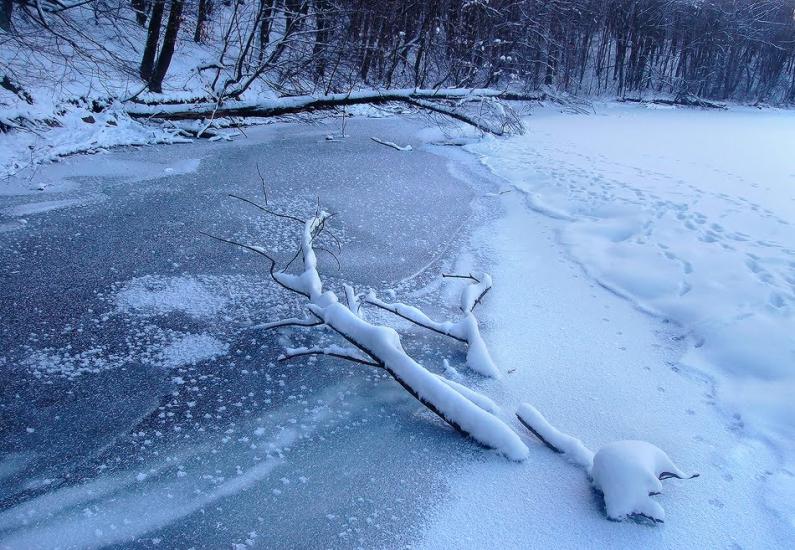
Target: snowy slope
x,y
685,214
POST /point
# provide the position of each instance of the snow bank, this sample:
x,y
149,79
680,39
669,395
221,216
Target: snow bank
x,y
689,215
111,128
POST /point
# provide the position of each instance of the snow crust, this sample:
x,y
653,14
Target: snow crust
x,y
151,295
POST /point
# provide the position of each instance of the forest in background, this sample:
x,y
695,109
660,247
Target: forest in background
x,y
741,50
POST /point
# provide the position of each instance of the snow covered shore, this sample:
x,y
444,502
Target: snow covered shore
x,y
686,215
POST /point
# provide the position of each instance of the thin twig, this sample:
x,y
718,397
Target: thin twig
x,y
318,351
267,210
262,180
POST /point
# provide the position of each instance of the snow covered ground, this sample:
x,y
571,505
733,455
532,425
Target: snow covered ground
x,y
680,213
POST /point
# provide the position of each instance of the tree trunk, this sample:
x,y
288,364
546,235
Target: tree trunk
x,y
265,27
152,38
205,9
6,11
321,37
169,43
139,6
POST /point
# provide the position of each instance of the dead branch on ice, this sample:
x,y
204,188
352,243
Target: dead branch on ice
x,y
379,346
392,144
627,473
465,330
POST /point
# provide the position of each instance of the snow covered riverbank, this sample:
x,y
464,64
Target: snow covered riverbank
x,y
681,213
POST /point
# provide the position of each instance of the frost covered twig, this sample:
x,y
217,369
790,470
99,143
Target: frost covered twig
x,y
462,408
627,473
464,330
348,354
292,322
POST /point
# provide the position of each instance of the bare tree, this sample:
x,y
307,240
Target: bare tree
x,y
152,40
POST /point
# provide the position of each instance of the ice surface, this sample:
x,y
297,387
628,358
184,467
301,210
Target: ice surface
x,y
364,464
115,291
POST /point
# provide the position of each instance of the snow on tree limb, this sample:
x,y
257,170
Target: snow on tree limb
x,y
559,442
462,408
477,398
627,473
464,330
383,343
498,123
474,293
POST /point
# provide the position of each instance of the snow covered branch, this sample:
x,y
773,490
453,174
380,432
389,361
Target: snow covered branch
x,y
627,473
496,123
464,330
465,410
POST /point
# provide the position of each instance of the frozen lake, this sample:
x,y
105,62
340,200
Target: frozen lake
x,y
634,252
137,406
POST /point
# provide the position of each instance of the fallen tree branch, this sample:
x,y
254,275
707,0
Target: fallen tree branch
x,y
466,329
465,411
338,352
425,99
684,101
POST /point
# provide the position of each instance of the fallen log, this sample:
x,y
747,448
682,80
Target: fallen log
x,y
425,99
684,101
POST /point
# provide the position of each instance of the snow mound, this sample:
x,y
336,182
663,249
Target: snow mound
x,y
628,473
